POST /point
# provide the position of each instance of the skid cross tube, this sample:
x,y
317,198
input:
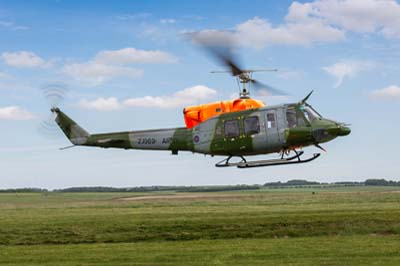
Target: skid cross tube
x,y
226,163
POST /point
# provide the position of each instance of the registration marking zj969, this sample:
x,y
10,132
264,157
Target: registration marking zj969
x,y
145,141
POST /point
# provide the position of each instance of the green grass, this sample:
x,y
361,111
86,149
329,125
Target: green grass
x,y
347,250
329,226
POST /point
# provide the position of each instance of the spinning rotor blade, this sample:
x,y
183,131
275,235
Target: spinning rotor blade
x,y
260,87
220,46
48,128
260,70
246,70
220,71
225,56
54,94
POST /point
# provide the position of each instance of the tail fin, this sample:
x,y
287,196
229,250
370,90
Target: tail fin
x,y
71,129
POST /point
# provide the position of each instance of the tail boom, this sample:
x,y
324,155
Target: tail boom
x,y
174,139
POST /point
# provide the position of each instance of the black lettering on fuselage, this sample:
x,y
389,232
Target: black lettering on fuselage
x,y
146,141
166,140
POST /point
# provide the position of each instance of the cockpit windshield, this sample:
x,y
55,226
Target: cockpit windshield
x,y
310,113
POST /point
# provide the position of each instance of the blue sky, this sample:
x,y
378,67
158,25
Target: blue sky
x,y
127,67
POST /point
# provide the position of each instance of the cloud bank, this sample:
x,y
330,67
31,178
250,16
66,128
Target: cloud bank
x,y
321,21
24,59
346,69
110,64
185,97
15,113
391,92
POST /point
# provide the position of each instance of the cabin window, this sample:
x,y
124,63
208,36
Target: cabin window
x,y
232,128
271,120
291,117
251,125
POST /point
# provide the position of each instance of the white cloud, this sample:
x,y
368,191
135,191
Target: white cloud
x,y
3,75
363,16
389,93
258,32
133,16
193,17
167,21
15,113
110,64
24,59
347,68
319,21
12,26
131,55
101,104
185,97
155,33
93,73
181,98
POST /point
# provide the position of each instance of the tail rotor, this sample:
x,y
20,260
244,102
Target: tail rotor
x,y
54,94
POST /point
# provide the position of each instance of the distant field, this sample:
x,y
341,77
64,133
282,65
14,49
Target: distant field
x,y
293,226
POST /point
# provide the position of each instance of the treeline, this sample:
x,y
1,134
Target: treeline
x,y
294,182
305,183
161,188
23,190
290,183
381,182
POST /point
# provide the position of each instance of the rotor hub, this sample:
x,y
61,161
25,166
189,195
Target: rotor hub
x,y
244,78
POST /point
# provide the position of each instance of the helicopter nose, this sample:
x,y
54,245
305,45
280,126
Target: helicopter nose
x,y
344,131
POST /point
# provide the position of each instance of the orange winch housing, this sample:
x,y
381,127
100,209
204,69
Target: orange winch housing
x,y
200,113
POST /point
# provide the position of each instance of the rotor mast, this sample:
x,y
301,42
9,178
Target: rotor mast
x,y
221,48
243,78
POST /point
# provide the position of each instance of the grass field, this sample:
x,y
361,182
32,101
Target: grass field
x,y
306,226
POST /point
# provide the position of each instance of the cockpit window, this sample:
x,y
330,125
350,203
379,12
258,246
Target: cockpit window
x,y
291,117
310,113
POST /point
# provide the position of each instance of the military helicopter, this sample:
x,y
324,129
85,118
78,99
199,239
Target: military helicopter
x,y
235,128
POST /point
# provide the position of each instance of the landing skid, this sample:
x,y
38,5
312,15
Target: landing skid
x,y
262,163
273,162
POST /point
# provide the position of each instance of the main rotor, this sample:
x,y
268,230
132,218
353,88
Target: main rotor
x,y
221,48
245,80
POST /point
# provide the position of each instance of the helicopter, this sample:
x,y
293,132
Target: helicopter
x,y
235,128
